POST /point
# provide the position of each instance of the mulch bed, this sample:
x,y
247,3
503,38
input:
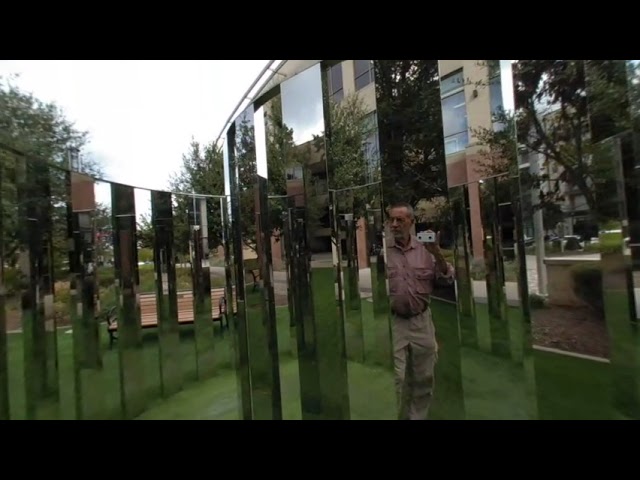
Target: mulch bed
x,y
577,330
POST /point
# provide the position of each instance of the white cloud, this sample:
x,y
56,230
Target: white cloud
x,y
141,114
302,108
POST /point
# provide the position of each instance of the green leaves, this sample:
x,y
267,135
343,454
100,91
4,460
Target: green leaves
x,y
202,172
40,132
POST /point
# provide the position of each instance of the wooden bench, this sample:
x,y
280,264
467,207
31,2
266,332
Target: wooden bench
x,y
149,311
253,267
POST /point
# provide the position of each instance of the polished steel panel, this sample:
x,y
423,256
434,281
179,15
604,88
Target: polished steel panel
x,y
319,320
611,87
414,171
348,266
239,321
252,239
202,308
171,374
130,346
4,351
84,284
491,264
35,263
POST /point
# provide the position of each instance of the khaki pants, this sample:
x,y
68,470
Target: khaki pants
x,y
415,357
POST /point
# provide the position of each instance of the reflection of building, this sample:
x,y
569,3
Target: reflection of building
x,y
312,157
357,77
465,107
569,198
342,79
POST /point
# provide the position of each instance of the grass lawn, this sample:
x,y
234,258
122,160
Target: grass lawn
x,y
469,383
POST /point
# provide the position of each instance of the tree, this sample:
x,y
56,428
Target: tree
x,y
39,129
247,188
104,233
202,172
144,232
282,153
556,103
347,164
36,137
410,125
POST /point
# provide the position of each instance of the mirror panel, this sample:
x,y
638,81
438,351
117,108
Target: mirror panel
x,y
265,230
12,283
239,324
254,279
491,263
353,180
130,345
94,240
4,350
202,295
610,94
35,260
261,321
319,325
422,307
349,269
571,343
84,285
631,170
148,299
164,263
184,219
223,304
279,156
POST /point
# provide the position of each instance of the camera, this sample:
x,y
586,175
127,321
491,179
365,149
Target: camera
x,y
426,237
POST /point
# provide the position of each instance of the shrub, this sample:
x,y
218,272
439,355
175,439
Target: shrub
x,y
537,302
572,244
587,285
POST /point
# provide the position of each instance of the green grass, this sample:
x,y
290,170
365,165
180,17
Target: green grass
x,y
470,383
103,386
572,388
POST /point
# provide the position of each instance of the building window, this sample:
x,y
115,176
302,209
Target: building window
x,y
336,87
294,173
495,94
454,113
363,71
370,146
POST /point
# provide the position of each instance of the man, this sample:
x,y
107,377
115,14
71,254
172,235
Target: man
x,y
412,268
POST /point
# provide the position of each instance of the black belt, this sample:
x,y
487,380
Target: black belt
x,y
410,315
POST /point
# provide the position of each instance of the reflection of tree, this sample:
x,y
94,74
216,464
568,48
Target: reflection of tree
x,y
282,153
345,156
202,171
552,120
245,161
336,160
633,83
35,132
410,126
348,165
144,232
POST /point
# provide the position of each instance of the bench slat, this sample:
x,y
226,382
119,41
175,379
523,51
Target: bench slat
x,y
149,312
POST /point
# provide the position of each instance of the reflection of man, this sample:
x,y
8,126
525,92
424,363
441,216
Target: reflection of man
x,y
412,269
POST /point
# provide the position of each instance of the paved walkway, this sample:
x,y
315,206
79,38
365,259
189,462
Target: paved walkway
x,y
479,287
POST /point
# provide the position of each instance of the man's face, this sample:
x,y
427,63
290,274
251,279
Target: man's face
x,y
400,222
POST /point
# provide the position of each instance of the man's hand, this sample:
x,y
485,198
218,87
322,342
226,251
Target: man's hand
x,y
434,248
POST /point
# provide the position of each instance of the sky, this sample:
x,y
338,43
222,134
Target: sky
x,y
140,114
302,108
